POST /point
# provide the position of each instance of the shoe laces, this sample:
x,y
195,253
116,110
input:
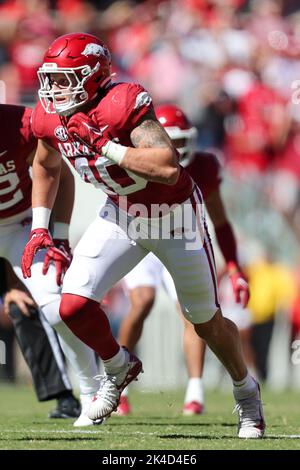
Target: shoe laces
x,y
248,410
107,387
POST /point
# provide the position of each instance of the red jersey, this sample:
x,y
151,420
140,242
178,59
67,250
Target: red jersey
x,y
116,114
205,169
17,143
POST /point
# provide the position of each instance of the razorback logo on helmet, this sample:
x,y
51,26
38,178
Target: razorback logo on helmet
x,y
94,49
142,99
61,133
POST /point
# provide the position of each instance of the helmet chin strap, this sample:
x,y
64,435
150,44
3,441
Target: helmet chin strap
x,y
68,111
72,105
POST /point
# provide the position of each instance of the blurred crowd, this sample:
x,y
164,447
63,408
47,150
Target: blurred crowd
x,y
234,67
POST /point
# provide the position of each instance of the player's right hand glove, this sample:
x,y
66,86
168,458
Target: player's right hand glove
x,y
239,284
39,238
60,254
83,128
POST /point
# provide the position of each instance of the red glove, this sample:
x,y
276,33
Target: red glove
x,y
60,254
81,127
38,239
239,284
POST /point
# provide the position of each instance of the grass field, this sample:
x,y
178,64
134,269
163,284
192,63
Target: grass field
x,y
156,424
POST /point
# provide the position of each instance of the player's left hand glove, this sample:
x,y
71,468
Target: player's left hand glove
x,y
83,128
239,284
60,254
39,238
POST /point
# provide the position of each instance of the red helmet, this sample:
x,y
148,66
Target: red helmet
x,y
85,62
182,133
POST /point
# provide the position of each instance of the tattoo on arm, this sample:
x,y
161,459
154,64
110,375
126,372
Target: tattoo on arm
x,y
150,133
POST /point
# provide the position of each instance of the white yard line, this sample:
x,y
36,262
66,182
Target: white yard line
x,y
71,431
98,431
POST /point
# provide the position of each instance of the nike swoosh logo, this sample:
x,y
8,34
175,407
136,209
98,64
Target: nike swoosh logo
x,y
97,131
2,153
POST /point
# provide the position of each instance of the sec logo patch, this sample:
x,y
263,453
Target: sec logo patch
x,y
61,133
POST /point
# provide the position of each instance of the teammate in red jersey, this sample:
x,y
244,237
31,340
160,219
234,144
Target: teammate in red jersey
x,y
110,133
18,145
148,275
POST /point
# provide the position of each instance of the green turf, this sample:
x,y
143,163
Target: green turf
x,y
156,423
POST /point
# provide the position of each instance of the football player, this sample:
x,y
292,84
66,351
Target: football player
x,y
148,275
18,145
110,133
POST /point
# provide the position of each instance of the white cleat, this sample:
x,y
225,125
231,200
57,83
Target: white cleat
x,y
251,418
83,420
108,396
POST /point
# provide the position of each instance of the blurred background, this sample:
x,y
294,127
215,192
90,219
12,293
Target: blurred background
x,y
234,68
